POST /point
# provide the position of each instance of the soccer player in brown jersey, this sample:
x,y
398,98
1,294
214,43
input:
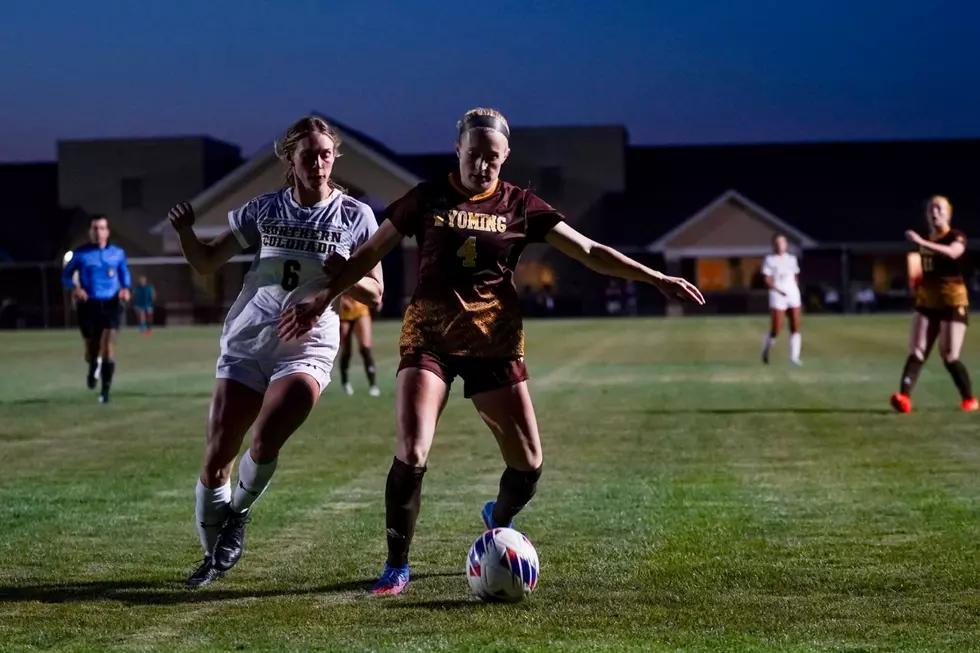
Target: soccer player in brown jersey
x,y
941,305
465,320
355,320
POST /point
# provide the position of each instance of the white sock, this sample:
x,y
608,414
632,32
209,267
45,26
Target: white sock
x,y
98,367
767,343
253,479
212,508
795,344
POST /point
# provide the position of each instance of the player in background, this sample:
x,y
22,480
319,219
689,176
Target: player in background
x,y
262,381
144,296
355,320
942,306
98,276
782,273
465,320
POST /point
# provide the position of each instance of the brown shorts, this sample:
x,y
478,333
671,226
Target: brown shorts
x,y
478,374
948,314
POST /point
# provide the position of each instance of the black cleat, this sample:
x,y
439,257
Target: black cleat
x,y
765,357
231,541
104,398
205,575
90,379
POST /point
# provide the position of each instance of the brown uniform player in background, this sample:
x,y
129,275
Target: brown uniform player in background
x,y
355,320
941,305
465,320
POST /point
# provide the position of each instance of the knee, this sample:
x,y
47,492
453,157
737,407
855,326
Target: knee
x,y
413,454
918,352
263,451
948,357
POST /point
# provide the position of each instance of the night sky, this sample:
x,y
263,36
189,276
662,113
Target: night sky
x,y
672,71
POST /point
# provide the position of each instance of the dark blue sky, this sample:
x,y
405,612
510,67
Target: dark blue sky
x,y
672,71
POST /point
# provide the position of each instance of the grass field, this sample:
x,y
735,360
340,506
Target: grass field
x,y
692,500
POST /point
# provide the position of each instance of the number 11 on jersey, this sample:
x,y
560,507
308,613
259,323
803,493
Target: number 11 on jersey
x,y
468,252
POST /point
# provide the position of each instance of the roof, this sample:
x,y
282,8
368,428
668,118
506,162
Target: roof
x,y
833,192
737,198
352,139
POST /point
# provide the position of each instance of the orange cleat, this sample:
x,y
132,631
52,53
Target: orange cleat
x,y
902,403
970,405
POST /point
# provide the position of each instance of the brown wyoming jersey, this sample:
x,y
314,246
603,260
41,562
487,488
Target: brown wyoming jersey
x,y
942,283
465,303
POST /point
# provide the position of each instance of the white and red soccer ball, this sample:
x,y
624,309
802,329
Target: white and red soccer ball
x,y
502,565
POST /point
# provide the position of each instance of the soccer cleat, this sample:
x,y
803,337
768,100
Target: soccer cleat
x,y
797,362
393,581
206,574
104,398
970,405
901,402
348,389
374,391
487,515
765,356
231,541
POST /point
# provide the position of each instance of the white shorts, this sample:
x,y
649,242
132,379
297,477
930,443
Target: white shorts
x,y
258,374
778,302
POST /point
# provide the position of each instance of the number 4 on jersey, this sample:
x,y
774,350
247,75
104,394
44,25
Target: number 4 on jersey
x,y
468,252
290,274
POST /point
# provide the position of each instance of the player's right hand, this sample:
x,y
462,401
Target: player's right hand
x,y
181,216
79,294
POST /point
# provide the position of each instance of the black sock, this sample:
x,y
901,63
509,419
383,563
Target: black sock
x,y
368,363
516,490
961,378
92,365
910,374
403,499
345,366
108,369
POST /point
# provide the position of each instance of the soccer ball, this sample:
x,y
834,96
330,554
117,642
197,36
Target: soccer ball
x,y
502,565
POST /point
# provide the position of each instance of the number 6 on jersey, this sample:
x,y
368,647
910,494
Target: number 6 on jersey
x,y
468,252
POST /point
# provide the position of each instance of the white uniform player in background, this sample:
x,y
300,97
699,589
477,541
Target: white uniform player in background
x,y
782,270
262,380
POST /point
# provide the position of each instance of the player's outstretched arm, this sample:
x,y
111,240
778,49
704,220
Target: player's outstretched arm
x,y
954,250
608,261
365,258
368,290
205,258
300,318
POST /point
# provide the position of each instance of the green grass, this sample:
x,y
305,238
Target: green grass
x,y
692,500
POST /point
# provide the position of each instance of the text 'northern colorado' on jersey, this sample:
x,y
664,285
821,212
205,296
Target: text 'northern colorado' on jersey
x,y
300,239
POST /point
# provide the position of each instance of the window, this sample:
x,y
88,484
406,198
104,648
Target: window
x,y
552,181
132,193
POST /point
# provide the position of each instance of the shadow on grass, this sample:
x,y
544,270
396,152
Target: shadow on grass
x,y
140,592
86,399
831,410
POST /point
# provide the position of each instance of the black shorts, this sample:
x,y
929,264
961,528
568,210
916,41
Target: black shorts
x,y
97,315
479,374
959,314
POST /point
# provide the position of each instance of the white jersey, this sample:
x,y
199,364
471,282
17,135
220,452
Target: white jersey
x,y
783,269
293,241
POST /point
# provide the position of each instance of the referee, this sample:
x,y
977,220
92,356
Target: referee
x,y
99,280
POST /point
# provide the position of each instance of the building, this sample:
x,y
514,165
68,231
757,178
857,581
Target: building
x,y
705,212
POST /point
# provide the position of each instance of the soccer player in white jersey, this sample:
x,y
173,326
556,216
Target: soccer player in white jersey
x,y
782,273
262,381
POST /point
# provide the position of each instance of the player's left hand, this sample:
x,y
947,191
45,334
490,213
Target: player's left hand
x,y
913,237
125,295
297,320
680,289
